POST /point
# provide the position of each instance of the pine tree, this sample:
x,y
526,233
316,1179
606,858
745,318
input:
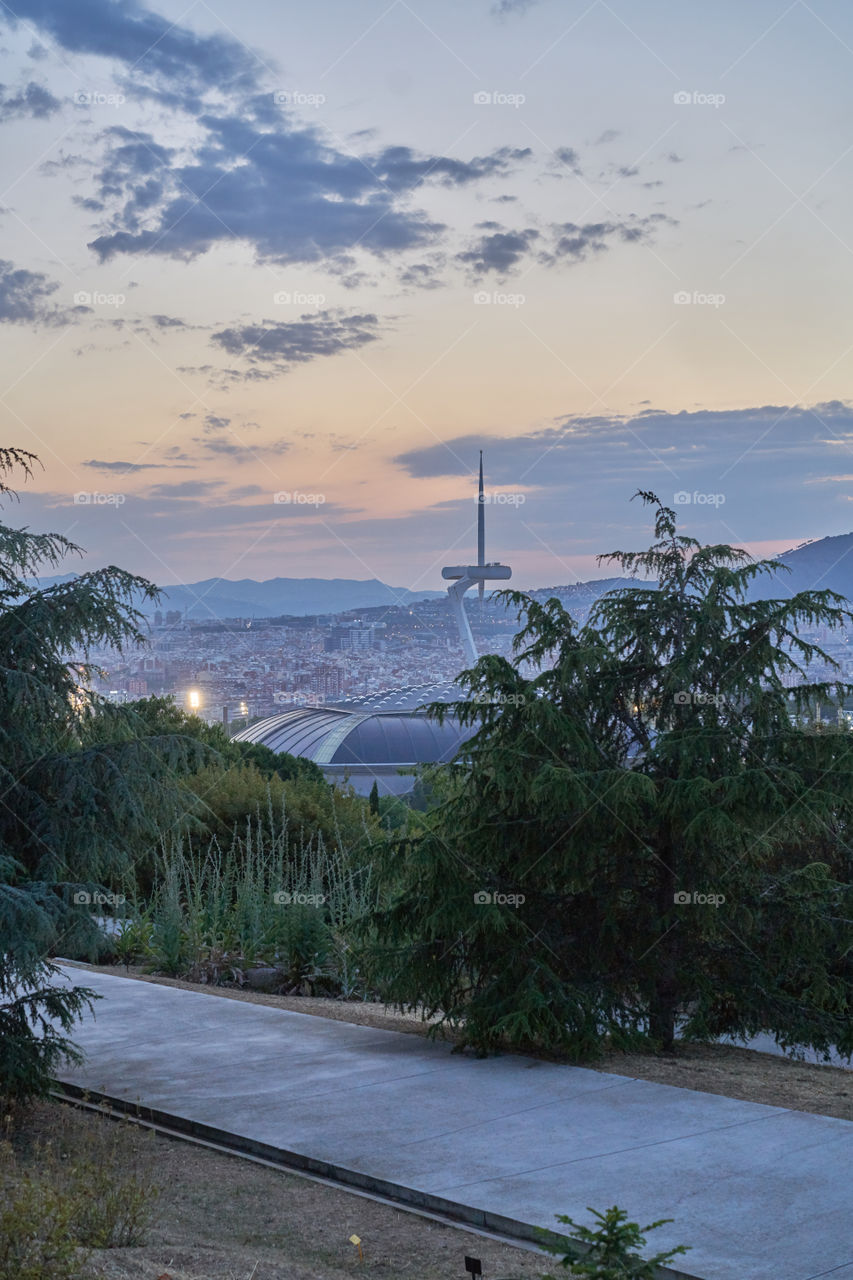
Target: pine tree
x,y
81,792
373,799
646,838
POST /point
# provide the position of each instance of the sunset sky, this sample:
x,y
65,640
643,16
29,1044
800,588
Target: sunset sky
x,y
274,273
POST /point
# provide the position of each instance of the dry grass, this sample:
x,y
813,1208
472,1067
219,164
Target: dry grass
x,y
220,1217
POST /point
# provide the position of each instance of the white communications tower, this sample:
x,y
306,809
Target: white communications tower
x,y
463,577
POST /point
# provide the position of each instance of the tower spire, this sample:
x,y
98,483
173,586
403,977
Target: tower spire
x,y
481,529
481,520
464,576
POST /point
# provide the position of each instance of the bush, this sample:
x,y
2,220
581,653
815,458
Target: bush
x,y
610,1248
88,1187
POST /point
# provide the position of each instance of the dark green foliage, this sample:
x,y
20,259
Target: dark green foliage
x,y
653,753
81,793
610,1248
374,797
156,716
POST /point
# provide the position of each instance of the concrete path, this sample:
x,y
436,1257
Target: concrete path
x,y
761,1193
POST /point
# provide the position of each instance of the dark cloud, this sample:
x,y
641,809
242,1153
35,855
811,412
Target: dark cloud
x,y
169,322
283,344
609,135
238,451
24,298
421,275
32,100
579,472
574,242
568,158
498,251
123,467
183,489
285,190
503,8
212,422
501,251
165,52
401,169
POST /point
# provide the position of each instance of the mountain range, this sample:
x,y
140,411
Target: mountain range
x,y
824,563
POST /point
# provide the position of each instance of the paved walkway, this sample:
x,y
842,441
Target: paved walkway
x,y
761,1193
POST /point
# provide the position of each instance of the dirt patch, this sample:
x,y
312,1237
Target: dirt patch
x,y
745,1074
708,1068
220,1217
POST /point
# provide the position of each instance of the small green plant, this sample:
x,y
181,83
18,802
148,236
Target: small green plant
x,y
610,1248
36,1237
89,1186
134,938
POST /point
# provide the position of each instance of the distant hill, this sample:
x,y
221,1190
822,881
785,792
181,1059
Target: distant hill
x,y
826,564
298,597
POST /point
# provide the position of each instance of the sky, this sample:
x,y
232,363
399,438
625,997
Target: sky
x,y
272,274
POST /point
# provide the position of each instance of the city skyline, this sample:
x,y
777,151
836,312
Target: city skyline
x,y
273,277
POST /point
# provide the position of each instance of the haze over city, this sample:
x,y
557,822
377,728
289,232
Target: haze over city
x,y
274,274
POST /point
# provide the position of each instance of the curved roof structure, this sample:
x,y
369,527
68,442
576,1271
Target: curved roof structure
x,y
343,740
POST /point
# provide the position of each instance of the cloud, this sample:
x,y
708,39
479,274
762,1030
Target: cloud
x,y
578,472
284,190
568,158
24,298
167,54
501,251
498,251
421,275
32,100
169,322
503,8
281,345
212,422
123,467
575,242
237,451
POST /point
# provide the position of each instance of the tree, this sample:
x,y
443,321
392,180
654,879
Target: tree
x,y
643,838
374,798
80,793
609,1248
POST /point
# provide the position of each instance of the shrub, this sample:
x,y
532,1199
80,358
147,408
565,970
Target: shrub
x,y
610,1252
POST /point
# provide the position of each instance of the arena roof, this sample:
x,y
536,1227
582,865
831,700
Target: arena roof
x,y
342,738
